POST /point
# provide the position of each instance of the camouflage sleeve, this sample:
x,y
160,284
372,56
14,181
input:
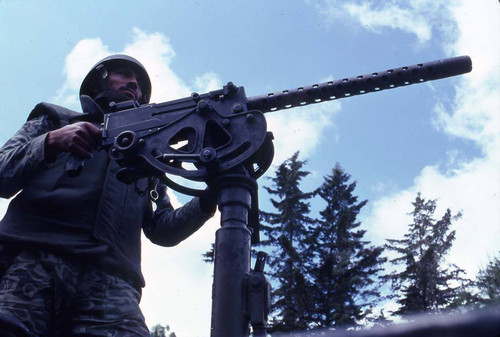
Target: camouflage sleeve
x,y
23,155
170,226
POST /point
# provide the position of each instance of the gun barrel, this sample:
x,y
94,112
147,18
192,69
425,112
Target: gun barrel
x,y
362,84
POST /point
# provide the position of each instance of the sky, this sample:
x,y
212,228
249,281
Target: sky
x,y
440,138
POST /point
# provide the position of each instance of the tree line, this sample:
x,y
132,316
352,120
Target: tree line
x,y
326,274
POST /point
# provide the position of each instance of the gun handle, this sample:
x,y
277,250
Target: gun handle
x,y
74,166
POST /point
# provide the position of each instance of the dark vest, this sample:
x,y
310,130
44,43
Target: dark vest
x,y
92,216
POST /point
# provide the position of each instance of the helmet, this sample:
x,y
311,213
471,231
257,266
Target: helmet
x,y
97,76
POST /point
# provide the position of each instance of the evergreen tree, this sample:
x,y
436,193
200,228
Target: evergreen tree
x,y
286,232
380,320
209,256
345,268
427,282
488,283
159,330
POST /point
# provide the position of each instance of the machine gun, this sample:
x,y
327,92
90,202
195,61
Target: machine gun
x,y
221,137
200,136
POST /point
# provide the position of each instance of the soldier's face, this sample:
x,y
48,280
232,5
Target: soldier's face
x,y
124,80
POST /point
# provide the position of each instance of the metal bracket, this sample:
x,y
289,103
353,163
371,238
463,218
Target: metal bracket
x,y
258,297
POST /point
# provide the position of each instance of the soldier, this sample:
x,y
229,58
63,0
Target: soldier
x,y
70,246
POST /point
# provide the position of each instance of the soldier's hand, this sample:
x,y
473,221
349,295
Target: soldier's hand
x,y
80,139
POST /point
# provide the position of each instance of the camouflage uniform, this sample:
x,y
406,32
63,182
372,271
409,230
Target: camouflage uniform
x,y
59,296
78,272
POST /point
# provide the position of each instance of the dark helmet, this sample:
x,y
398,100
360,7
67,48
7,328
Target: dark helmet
x,y
96,79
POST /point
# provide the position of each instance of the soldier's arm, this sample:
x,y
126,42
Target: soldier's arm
x,y
170,226
23,155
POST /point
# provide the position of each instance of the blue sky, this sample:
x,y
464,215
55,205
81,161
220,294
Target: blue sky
x,y
440,138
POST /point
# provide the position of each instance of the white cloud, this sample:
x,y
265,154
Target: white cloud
x,y
472,186
414,17
300,129
86,53
207,82
154,51
391,16
4,204
475,113
78,62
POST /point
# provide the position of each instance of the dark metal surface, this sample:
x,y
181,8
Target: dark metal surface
x,y
258,297
478,323
232,257
362,84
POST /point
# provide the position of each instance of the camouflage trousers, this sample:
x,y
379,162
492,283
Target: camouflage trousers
x,y
59,297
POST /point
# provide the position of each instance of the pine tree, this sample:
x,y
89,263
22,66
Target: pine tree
x,y
345,267
488,282
159,330
209,255
427,282
286,232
